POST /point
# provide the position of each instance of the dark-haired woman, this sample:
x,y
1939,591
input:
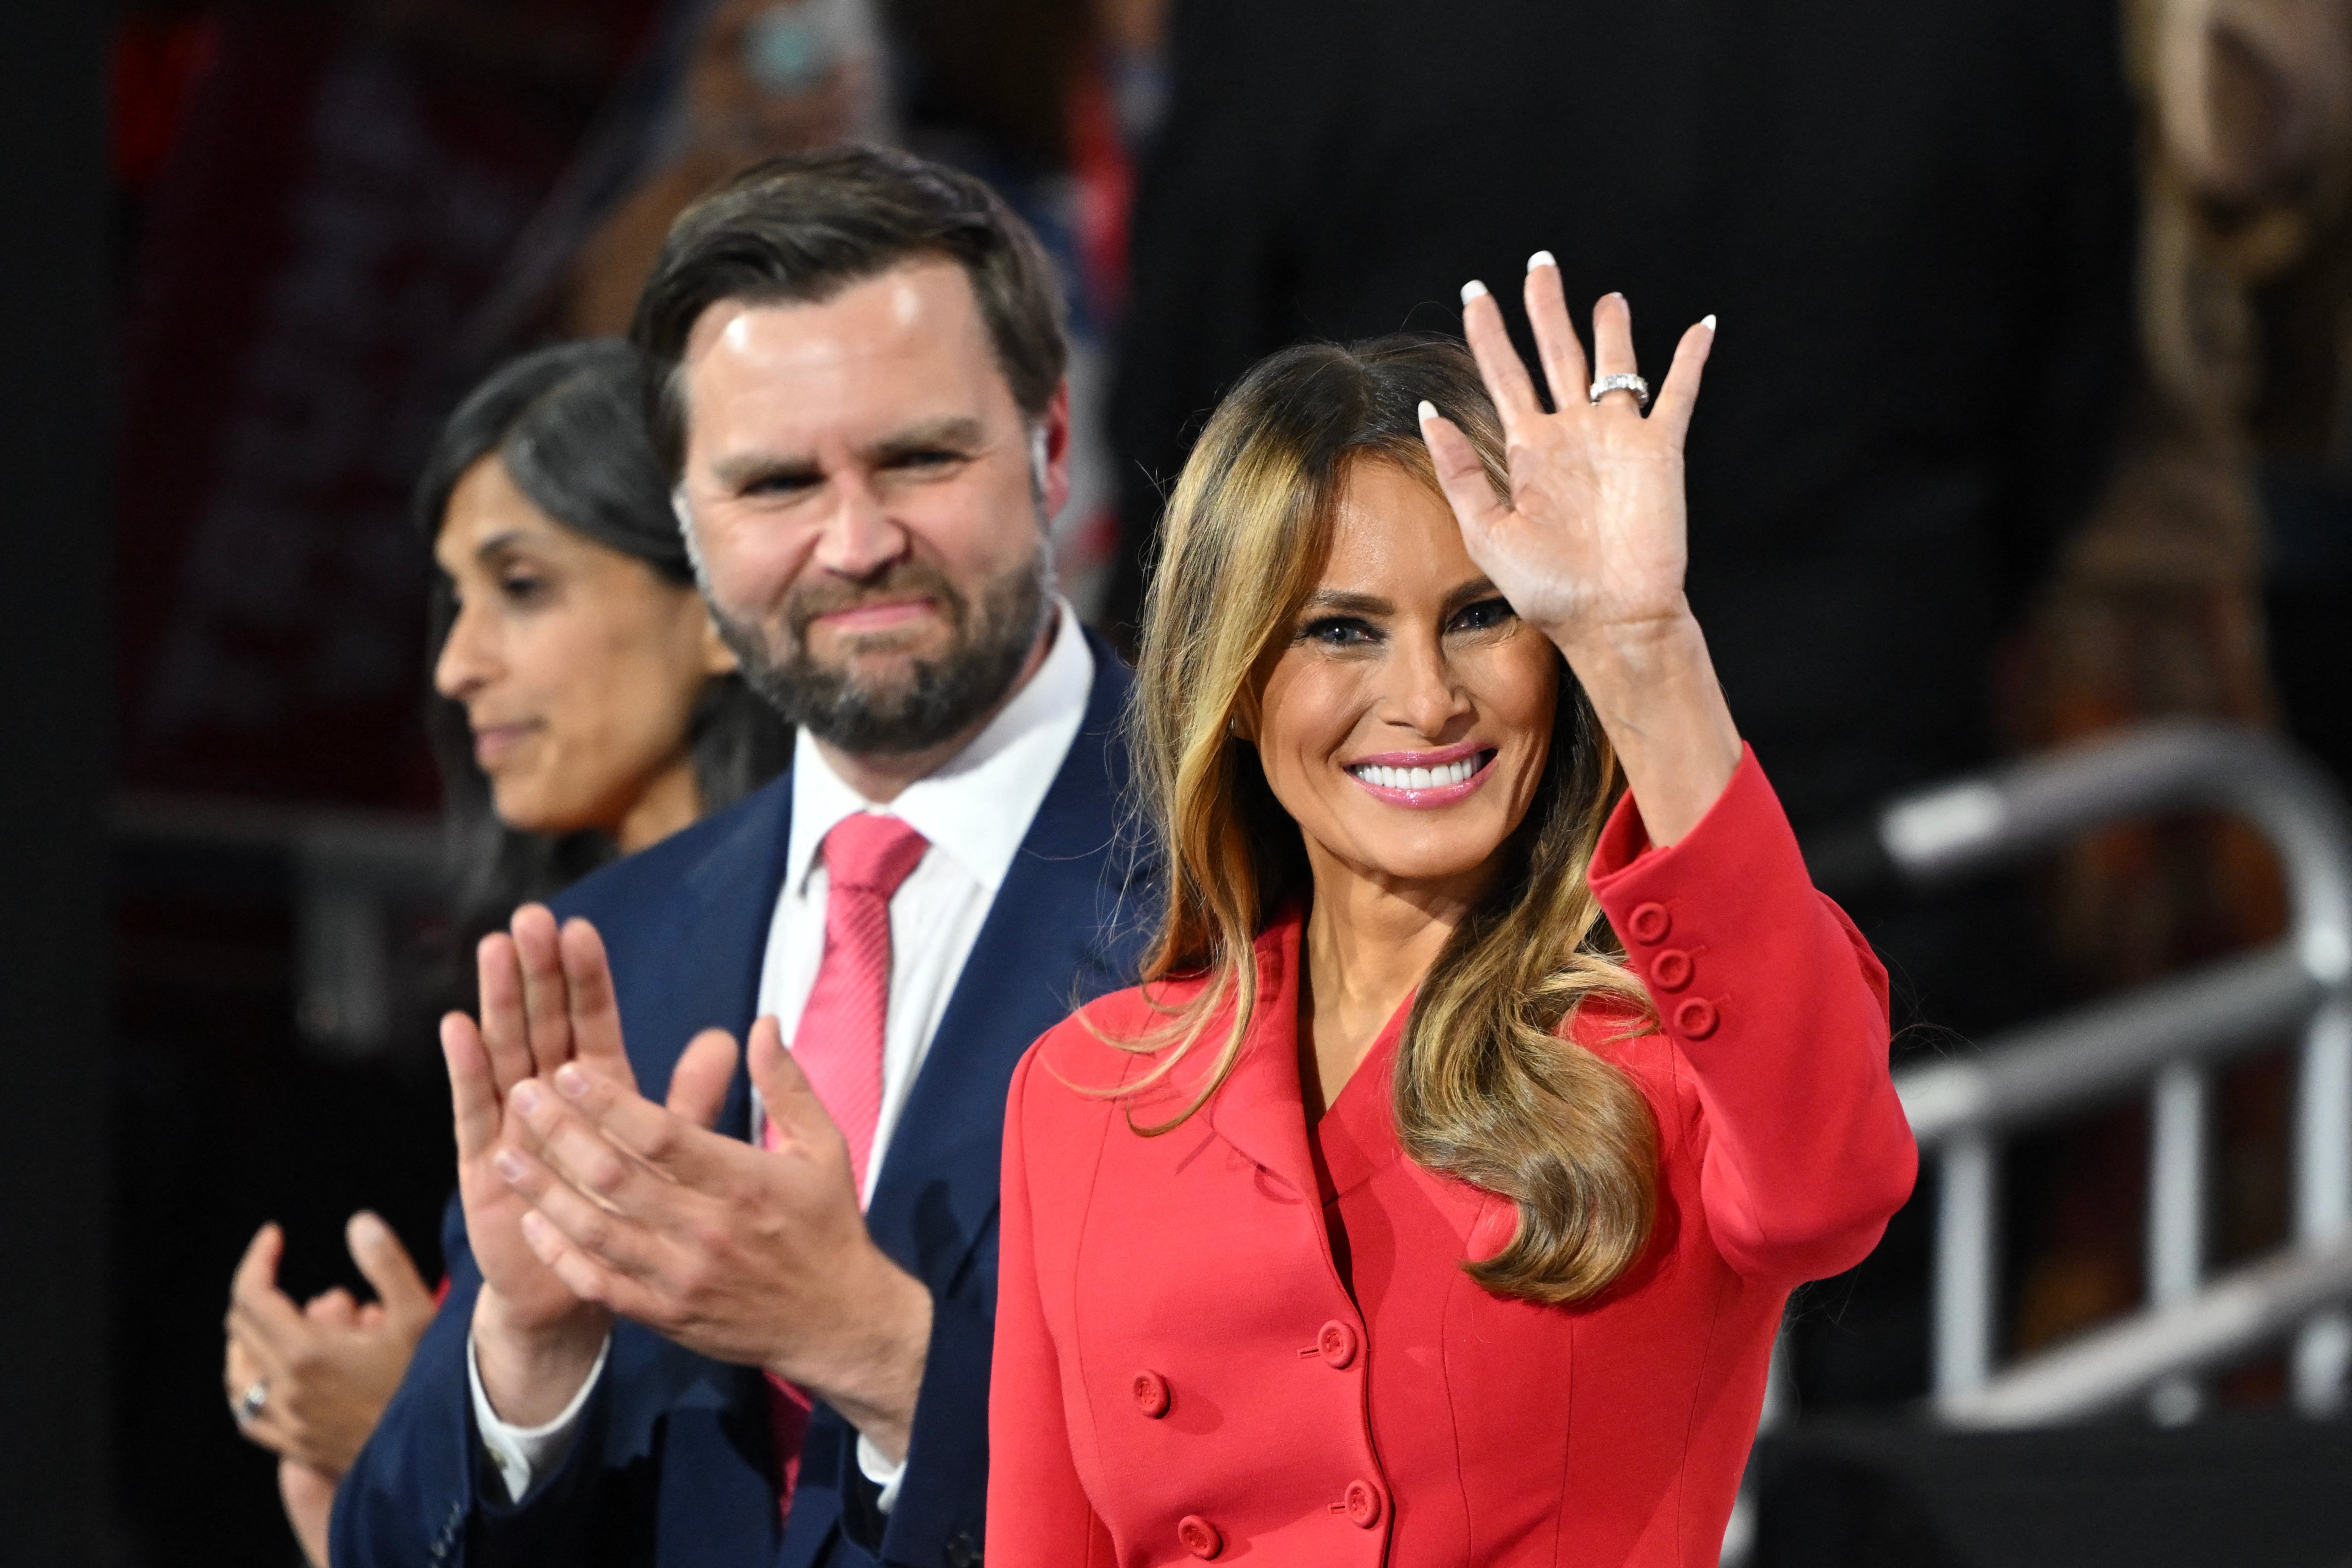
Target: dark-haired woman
x,y
588,709
1402,1215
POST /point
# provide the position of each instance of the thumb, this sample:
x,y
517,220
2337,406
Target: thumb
x,y
697,1085
791,1100
258,1270
388,1267
1461,477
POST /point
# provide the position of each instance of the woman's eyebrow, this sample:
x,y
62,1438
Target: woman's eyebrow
x,y
498,545
1470,593
1338,603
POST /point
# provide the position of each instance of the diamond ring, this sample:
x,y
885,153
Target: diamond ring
x,y
1624,381
249,1403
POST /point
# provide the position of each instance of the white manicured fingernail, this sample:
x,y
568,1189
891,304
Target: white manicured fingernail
x,y
1540,258
1472,290
1708,323
1428,410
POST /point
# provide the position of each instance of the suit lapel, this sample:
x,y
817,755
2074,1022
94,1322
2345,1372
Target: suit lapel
x,y
1056,934
712,960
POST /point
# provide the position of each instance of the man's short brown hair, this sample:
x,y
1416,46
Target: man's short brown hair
x,y
801,228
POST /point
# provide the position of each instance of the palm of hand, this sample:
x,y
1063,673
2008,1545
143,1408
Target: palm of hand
x,y
546,999
531,1294
1591,542
1594,537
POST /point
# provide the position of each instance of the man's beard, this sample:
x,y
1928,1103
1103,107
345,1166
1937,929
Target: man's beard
x,y
937,701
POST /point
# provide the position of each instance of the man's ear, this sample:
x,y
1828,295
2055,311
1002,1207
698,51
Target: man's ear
x,y
1049,453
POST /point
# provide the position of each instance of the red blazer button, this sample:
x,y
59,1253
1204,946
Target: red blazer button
x,y
1650,923
1152,1394
1363,1503
1336,1343
1671,969
1696,1017
1198,1536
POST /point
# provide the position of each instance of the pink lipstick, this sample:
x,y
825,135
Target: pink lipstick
x,y
1424,781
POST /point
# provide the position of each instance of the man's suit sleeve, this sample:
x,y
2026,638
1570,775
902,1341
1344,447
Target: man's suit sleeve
x,y
420,1492
407,1498
938,1517
943,1504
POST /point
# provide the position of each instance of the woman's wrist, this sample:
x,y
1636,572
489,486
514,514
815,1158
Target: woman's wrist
x,y
1653,687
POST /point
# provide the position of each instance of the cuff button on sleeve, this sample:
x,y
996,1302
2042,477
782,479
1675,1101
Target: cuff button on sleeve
x,y
1671,969
1649,923
1696,1017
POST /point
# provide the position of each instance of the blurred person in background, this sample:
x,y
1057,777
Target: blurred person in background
x,y
761,78
589,708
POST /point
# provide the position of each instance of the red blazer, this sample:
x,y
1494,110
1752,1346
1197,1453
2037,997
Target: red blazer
x,y
1186,1368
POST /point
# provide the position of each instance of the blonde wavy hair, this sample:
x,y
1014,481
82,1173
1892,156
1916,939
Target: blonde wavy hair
x,y
1487,1088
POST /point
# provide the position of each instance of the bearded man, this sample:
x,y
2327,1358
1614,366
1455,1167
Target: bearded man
x,y
752,1325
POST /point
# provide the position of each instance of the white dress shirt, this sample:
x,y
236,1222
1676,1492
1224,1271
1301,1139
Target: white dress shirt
x,y
974,811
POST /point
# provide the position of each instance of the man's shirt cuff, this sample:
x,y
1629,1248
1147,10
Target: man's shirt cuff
x,y
521,1452
877,1467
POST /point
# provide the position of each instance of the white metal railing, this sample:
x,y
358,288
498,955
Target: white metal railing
x,y
2165,1038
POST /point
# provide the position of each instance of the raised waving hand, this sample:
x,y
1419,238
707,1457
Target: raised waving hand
x,y
1590,543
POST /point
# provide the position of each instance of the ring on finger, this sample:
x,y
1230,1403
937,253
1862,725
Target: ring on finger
x,y
1624,381
248,1404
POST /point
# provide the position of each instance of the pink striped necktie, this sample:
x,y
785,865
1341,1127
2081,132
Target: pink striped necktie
x,y
839,1042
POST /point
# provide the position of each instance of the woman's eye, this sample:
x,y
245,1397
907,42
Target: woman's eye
x,y
1338,631
522,588
1484,615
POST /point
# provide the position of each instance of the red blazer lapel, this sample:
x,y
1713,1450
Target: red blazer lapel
x,y
1258,1108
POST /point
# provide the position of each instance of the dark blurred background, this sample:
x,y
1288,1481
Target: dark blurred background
x,y
2030,422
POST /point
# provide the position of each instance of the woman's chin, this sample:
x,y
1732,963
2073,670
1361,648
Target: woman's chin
x,y
522,809
1425,859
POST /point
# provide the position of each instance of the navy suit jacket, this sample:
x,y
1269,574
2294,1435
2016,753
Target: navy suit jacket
x,y
673,1461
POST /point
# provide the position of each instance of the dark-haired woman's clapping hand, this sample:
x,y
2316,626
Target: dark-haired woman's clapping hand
x,y
1590,544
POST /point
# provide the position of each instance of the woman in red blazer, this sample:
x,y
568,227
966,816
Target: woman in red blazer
x,y
1405,1214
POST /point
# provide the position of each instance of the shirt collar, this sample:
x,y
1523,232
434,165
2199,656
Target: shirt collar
x,y
976,806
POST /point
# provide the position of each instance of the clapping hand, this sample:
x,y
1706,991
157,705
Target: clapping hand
x,y
752,1255
547,1002
309,1384
1590,543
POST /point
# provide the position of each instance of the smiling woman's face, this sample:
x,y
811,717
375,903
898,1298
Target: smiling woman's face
x,y
1405,725
578,666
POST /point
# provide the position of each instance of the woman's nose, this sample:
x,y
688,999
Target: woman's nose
x,y
467,663
1423,695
